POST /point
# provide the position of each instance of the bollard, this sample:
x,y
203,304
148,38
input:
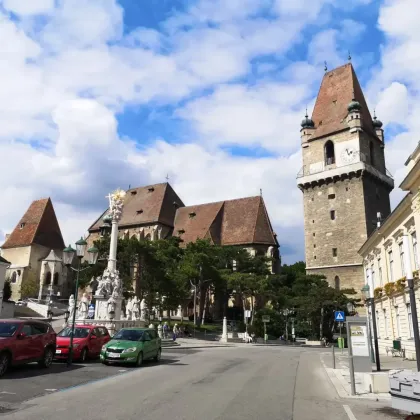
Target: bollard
x,y
333,356
352,379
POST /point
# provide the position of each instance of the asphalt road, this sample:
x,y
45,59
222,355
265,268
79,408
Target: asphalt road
x,y
211,384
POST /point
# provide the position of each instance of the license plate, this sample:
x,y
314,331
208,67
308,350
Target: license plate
x,y
58,352
114,355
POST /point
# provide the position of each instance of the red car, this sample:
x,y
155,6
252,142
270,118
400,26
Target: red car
x,y
87,342
25,341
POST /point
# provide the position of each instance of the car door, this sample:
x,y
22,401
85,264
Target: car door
x,y
22,346
105,336
37,342
147,345
95,341
154,343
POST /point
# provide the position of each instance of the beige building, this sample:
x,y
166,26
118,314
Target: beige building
x,y
344,180
383,255
31,248
4,264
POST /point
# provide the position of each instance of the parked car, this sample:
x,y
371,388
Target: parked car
x,y
87,342
132,345
25,341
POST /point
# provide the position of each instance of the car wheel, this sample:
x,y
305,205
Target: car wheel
x,y
4,363
47,360
83,355
158,355
139,360
104,362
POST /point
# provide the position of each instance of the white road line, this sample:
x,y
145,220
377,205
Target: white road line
x,y
347,409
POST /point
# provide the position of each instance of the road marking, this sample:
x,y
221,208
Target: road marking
x,y
51,390
347,409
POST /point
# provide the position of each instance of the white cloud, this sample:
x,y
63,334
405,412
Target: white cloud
x,y
28,7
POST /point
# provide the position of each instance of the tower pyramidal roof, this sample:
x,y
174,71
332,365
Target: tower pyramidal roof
x,y
338,88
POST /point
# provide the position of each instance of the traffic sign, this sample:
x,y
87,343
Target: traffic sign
x,y
339,316
265,318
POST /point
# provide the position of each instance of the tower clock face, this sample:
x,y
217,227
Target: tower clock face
x,y
348,155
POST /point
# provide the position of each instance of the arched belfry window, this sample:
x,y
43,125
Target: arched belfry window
x,y
337,283
371,153
56,278
329,153
48,278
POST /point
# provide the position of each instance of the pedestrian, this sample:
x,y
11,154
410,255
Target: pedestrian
x,y
165,330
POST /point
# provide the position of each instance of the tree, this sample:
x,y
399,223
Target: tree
x,y
30,286
7,291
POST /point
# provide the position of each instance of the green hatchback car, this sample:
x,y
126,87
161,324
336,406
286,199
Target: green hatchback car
x,y
132,346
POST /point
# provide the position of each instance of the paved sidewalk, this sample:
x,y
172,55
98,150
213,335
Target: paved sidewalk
x,y
340,377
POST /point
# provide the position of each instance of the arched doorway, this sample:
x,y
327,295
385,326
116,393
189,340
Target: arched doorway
x,y
329,153
337,283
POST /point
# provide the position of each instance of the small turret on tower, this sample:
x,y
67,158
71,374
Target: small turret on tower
x,y
354,119
308,128
377,124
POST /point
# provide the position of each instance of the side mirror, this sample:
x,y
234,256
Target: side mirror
x,y
21,336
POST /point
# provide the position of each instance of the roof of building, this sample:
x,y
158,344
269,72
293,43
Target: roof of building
x,y
339,87
39,225
3,261
151,204
232,222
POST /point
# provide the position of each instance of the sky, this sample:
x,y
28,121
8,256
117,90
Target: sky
x,y
103,94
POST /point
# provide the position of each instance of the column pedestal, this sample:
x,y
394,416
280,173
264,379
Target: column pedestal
x,y
101,308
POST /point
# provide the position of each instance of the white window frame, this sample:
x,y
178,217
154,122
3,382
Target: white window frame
x,y
401,250
380,271
391,265
372,270
415,251
385,323
410,322
398,321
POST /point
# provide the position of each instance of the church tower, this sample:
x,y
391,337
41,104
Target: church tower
x,y
344,180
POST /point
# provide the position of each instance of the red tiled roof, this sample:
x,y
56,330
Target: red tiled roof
x,y
335,94
38,225
150,204
232,222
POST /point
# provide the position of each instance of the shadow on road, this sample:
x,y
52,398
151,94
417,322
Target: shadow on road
x,y
32,369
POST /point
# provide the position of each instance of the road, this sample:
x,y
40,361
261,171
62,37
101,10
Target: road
x,y
240,383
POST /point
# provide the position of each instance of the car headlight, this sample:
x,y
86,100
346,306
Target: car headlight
x,y
103,347
130,350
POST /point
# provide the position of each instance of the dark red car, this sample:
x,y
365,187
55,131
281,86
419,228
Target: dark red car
x,y
25,341
87,342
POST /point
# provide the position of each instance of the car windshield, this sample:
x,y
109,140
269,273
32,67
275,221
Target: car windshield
x,y
7,329
78,332
129,335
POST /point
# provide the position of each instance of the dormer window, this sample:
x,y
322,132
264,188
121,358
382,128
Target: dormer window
x,y
139,211
22,225
133,192
181,231
151,189
192,215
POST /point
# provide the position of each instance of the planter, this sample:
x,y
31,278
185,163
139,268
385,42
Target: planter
x,y
389,289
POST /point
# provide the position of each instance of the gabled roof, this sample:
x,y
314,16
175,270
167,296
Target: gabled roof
x,y
151,204
232,222
39,225
338,88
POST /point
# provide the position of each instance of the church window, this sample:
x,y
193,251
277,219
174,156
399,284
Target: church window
x,y
371,154
48,278
331,196
314,245
329,153
22,225
334,252
313,221
337,283
56,277
332,214
314,257
313,234
14,277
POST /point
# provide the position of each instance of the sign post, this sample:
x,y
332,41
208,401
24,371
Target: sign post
x,y
265,319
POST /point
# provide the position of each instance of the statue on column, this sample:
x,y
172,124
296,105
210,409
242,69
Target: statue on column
x,y
83,307
71,307
136,308
129,309
112,305
143,309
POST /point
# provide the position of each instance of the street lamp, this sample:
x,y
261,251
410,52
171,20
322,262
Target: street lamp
x,y
68,256
368,299
105,229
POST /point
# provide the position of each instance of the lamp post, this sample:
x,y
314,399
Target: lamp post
x,y
68,256
369,298
410,282
365,293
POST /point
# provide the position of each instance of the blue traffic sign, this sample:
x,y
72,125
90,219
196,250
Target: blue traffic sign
x,y
339,316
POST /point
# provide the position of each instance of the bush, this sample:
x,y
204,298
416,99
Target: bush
x,y
7,291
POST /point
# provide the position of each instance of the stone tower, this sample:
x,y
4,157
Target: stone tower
x,y
344,180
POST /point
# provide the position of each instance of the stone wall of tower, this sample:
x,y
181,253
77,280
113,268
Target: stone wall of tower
x,y
346,233
378,151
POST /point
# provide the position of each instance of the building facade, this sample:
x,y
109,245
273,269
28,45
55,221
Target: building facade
x,y
27,248
344,180
384,268
4,264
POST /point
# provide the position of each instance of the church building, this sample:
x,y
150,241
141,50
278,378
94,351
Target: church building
x,y
344,180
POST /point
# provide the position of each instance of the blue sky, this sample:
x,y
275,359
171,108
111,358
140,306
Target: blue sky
x,y
100,94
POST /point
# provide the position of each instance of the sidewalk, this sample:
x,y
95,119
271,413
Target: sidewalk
x,y
340,377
